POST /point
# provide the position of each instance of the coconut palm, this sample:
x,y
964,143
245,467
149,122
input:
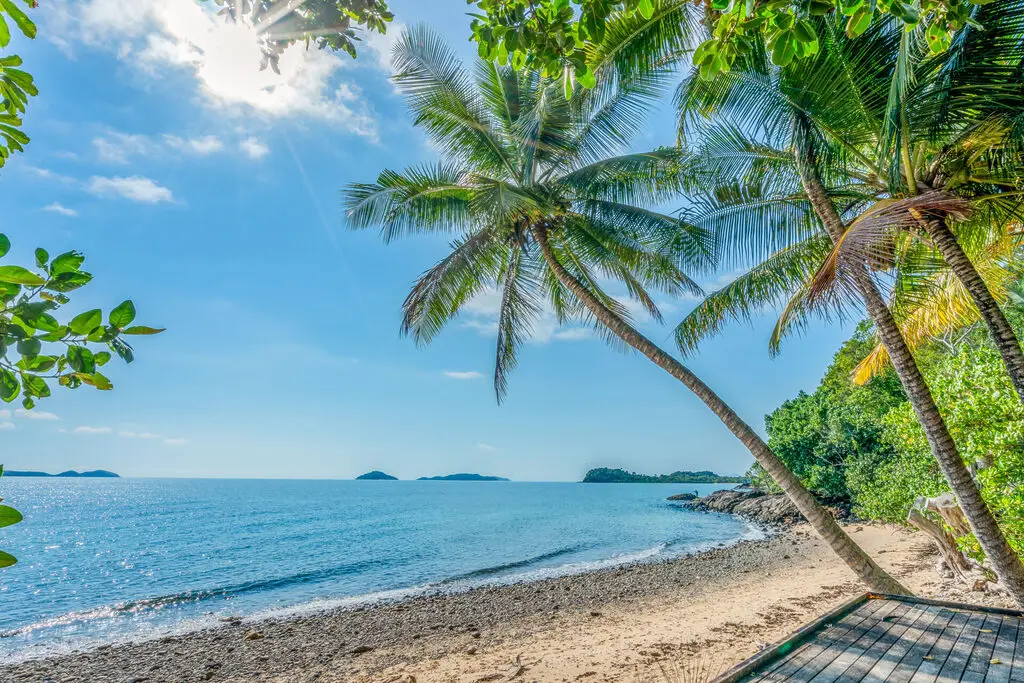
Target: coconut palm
x,y
798,153
548,208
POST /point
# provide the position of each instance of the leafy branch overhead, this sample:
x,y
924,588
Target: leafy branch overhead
x,y
557,36
16,86
36,348
328,24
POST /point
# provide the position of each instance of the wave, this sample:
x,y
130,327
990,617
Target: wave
x,y
508,566
193,596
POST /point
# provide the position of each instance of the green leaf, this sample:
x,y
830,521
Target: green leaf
x,y
20,276
6,559
646,8
142,329
567,83
28,403
68,262
41,257
44,322
587,78
66,282
102,358
29,347
5,32
20,18
85,323
859,22
96,380
123,315
41,364
9,516
81,359
9,386
5,245
35,386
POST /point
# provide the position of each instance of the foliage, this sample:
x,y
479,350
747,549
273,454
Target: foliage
x,y
16,85
606,475
329,24
37,348
8,516
518,158
820,435
553,35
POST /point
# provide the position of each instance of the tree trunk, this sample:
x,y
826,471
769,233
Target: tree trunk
x,y
1004,560
876,578
951,555
1003,335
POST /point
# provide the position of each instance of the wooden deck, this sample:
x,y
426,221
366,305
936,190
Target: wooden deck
x,y
905,640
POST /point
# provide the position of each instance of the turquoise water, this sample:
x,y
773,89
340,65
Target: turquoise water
x,y
111,560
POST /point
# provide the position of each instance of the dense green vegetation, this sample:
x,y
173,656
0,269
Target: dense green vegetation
x,y
863,445
607,475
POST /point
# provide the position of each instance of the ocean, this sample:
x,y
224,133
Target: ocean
x,y
108,560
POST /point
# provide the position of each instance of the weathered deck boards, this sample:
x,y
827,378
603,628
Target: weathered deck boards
x,y
877,638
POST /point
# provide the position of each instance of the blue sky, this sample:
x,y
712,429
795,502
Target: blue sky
x,y
213,202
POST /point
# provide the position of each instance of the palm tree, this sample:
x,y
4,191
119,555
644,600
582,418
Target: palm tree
x,y
546,211
792,151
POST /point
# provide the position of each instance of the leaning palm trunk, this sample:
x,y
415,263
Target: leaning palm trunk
x,y
1004,560
1002,333
876,578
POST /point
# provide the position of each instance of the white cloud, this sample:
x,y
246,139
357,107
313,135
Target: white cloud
x,y
486,447
381,45
60,208
139,435
47,174
6,426
160,37
92,430
208,144
34,414
470,374
135,188
254,148
176,442
118,148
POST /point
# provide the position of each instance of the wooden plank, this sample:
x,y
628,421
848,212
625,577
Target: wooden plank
x,y
786,666
956,660
827,654
908,665
877,652
881,632
977,663
937,656
880,672
1002,653
773,656
1017,669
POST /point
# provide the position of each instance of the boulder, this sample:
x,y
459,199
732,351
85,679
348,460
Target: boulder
x,y
752,504
683,496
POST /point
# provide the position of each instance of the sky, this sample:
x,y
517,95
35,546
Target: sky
x,y
208,193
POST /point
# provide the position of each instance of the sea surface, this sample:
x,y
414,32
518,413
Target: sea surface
x,y
109,560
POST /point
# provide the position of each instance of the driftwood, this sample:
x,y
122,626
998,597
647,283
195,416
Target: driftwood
x,y
924,515
951,555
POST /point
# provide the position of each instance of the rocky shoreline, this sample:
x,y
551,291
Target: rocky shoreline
x,y
774,510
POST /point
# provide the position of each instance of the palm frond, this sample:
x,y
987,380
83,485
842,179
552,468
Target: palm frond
x,y
519,310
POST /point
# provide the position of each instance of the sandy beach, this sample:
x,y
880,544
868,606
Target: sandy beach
x,y
704,612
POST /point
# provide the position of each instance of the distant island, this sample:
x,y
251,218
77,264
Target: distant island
x,y
377,475
607,475
69,473
463,477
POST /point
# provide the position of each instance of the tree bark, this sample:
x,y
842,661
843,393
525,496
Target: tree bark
x,y
951,555
1002,333
876,578
983,523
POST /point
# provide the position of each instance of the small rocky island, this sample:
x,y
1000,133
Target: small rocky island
x,y
607,475
96,474
772,509
463,476
377,475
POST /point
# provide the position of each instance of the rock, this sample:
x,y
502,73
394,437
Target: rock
x,y
757,506
471,650
595,614
980,585
683,496
233,619
254,635
360,649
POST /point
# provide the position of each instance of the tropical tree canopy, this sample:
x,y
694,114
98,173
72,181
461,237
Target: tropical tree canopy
x,y
870,109
552,35
16,85
519,157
